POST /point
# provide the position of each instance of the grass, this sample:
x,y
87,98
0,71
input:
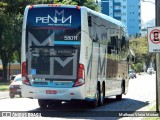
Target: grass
x,y
4,86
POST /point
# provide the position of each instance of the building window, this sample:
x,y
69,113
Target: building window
x,y
117,7
117,14
111,14
124,7
124,14
124,21
117,0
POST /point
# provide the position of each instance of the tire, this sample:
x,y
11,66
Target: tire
x,y
119,97
43,103
94,103
12,95
101,96
20,95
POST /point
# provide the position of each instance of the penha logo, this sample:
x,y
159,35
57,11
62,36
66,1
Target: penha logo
x,y
58,18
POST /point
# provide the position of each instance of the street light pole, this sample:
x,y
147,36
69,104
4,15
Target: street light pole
x,y
147,1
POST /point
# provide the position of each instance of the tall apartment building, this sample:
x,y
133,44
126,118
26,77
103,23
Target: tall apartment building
x,y
126,11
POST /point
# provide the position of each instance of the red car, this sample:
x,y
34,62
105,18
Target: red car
x,y
15,86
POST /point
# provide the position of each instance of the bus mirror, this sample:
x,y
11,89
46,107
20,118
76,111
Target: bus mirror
x,y
133,58
89,21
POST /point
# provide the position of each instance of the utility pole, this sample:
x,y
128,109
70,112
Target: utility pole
x,y
157,9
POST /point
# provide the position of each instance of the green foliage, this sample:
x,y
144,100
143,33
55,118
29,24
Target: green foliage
x,y
92,5
140,47
133,67
139,67
10,31
2,5
68,2
4,87
10,39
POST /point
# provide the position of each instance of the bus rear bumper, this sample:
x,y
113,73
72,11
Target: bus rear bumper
x,y
54,93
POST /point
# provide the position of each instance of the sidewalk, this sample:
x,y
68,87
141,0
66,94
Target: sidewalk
x,y
146,108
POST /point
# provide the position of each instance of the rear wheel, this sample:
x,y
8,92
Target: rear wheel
x,y
101,96
42,103
12,95
20,95
119,97
94,103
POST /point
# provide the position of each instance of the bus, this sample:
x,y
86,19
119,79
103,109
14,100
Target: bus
x,y
72,53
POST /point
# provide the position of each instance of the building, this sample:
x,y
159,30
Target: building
x,y
13,69
125,11
150,23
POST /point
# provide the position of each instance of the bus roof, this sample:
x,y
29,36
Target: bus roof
x,y
53,5
106,17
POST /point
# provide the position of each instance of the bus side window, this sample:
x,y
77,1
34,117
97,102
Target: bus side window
x,y
89,21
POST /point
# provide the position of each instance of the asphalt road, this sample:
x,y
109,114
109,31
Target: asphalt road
x,y
141,94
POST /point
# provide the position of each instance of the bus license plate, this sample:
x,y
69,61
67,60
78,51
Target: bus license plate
x,y
51,92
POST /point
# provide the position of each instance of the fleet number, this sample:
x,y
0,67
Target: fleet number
x,y
70,37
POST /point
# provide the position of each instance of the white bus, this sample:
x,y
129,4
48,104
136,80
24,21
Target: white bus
x,y
72,53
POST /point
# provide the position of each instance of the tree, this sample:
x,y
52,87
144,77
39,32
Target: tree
x,y
10,39
140,47
139,67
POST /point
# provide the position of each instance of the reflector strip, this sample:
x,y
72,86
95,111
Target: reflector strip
x,y
67,42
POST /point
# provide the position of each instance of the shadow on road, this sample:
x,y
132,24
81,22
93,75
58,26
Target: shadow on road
x,y
111,108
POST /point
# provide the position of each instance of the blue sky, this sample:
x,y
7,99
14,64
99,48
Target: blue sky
x,y
147,10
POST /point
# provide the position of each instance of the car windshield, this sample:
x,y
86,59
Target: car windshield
x,y
18,79
150,68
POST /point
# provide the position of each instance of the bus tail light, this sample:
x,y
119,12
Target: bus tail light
x,y
24,69
26,81
24,74
78,7
80,81
31,6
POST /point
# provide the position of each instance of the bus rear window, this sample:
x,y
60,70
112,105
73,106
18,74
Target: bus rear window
x,y
64,24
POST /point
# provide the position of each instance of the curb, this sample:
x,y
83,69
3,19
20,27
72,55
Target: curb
x,y
3,98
